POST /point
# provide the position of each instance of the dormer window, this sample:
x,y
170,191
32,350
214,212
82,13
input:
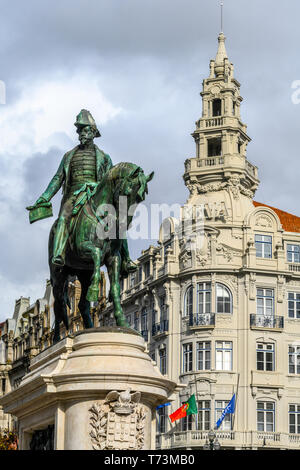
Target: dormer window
x,y
217,107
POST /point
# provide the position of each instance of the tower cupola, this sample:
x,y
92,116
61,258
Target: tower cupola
x,y
221,137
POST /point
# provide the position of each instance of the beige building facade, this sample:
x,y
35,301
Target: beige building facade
x,y
218,298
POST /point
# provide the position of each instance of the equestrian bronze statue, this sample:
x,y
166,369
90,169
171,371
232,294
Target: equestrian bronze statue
x,y
91,228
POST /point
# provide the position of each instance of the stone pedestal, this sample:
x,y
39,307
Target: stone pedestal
x,y
99,390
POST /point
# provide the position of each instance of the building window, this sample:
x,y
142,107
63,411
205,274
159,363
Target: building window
x,y
147,269
293,253
204,298
265,357
187,423
226,424
224,299
140,274
223,355
131,279
203,417
204,355
163,308
294,419
294,359
265,302
294,305
144,320
161,420
265,416
188,302
163,361
217,107
214,147
187,357
263,245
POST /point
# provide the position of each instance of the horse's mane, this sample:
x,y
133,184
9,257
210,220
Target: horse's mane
x,y
122,170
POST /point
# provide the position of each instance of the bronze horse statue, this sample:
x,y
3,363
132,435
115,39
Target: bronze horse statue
x,y
92,243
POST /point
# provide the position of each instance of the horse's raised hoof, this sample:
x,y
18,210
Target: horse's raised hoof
x,y
92,294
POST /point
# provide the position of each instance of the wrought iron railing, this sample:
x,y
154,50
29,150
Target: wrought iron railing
x,y
203,319
264,321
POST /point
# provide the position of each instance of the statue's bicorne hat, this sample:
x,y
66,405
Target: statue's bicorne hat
x,y
85,118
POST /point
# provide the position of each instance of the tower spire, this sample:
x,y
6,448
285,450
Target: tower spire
x,y
222,53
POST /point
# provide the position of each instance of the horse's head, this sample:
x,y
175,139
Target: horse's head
x,y
130,181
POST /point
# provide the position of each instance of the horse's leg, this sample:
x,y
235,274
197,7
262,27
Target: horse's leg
x,y
84,305
113,268
58,279
89,249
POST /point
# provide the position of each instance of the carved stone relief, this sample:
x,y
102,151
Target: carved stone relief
x,y
227,252
118,422
263,220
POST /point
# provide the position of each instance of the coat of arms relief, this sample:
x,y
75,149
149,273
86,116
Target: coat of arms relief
x,y
118,422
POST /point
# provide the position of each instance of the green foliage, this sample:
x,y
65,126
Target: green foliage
x,y
8,440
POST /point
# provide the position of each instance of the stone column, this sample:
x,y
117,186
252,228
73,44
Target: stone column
x,y
98,388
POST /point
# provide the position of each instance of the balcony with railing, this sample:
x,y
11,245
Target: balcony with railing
x,y
184,439
229,439
266,322
204,320
295,267
160,328
218,161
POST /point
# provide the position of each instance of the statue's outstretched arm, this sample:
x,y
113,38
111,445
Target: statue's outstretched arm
x,y
54,185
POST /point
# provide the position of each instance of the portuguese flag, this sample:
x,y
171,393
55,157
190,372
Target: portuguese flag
x,y
188,408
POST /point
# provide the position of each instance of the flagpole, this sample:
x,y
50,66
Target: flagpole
x,y
196,389
236,397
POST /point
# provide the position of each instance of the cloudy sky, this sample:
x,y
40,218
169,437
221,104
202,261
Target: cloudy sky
x,y
138,66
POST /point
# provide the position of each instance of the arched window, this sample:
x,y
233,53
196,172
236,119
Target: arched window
x,y
188,302
224,299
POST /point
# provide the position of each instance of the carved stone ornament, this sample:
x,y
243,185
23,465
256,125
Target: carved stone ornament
x,y
263,221
227,251
118,423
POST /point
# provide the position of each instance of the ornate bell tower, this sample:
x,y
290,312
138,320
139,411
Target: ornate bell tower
x,y
221,137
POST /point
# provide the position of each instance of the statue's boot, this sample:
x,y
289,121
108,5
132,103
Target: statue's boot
x,y
60,241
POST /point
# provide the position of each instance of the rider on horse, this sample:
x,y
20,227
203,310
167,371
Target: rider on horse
x,y
79,172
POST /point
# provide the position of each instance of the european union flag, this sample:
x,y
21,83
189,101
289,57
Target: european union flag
x,y
230,408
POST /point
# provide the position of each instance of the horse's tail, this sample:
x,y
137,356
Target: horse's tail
x,y
66,295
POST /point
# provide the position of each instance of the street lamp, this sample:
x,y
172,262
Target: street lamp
x,y
212,442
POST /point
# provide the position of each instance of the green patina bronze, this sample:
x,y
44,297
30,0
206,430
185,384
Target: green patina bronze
x,y
77,245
